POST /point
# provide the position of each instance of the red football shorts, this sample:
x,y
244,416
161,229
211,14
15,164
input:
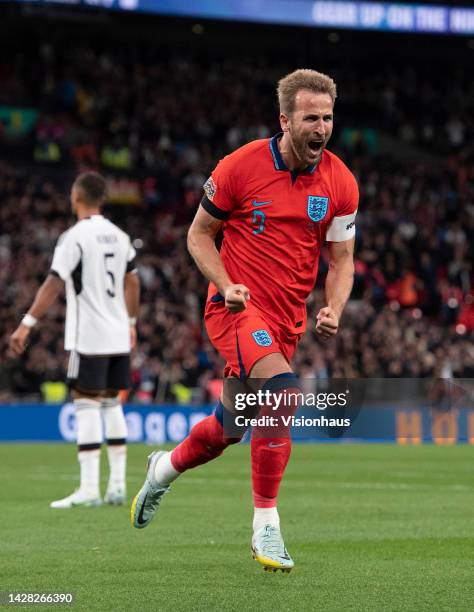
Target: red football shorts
x,y
245,337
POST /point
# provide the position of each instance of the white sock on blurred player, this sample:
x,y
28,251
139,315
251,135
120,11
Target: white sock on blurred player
x,y
89,462
116,437
89,440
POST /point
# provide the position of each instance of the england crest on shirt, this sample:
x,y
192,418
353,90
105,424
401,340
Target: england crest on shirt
x,y
262,337
317,207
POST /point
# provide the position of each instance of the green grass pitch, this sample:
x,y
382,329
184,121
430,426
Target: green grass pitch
x,y
370,527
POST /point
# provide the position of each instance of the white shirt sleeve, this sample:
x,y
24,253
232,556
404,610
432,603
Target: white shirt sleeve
x,y
131,254
131,264
341,228
66,255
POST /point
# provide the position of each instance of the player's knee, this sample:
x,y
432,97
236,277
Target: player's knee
x,y
286,393
110,401
223,416
269,366
78,393
111,394
114,421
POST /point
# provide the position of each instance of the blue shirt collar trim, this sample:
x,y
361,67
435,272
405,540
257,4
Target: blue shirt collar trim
x,y
278,160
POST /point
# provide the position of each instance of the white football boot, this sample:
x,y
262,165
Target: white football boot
x,y
115,496
269,550
148,499
78,498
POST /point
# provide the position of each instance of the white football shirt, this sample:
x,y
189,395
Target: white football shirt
x,y
92,258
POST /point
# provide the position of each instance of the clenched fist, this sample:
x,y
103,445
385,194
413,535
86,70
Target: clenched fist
x,y
327,323
236,297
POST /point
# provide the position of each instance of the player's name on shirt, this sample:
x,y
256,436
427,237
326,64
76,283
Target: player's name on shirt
x,y
107,239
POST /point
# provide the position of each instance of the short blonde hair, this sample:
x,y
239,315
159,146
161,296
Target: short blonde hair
x,y
303,78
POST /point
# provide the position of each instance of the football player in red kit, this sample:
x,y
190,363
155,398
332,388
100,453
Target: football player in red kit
x,y
277,202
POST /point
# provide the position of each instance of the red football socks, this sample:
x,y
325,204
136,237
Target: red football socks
x,y
271,445
205,442
269,459
270,452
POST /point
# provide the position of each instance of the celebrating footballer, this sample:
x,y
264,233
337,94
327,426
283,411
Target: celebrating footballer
x,y
277,202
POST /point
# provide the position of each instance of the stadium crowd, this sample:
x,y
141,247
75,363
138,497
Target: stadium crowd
x,y
138,107
166,123
411,313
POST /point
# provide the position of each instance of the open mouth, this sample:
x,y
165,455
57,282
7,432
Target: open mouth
x,y
315,145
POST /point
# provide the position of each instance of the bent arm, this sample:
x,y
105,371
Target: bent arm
x,y
202,247
340,276
44,298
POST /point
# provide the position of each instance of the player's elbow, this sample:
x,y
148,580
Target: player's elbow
x,y
344,264
189,240
200,239
53,285
192,240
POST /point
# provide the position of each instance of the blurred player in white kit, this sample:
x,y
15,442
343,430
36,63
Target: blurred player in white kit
x,y
95,261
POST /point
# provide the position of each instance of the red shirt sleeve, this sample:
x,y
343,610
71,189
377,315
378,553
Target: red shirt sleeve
x,y
342,225
348,201
220,200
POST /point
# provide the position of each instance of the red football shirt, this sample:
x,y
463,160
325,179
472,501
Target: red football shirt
x,y
275,223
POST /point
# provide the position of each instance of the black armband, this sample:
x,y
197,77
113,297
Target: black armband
x,y
213,210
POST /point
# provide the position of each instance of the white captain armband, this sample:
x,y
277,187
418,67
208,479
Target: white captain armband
x,y
341,228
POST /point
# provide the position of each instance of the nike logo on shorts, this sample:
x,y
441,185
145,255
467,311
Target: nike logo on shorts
x,y
273,445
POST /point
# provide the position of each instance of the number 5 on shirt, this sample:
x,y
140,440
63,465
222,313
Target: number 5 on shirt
x,y
110,274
